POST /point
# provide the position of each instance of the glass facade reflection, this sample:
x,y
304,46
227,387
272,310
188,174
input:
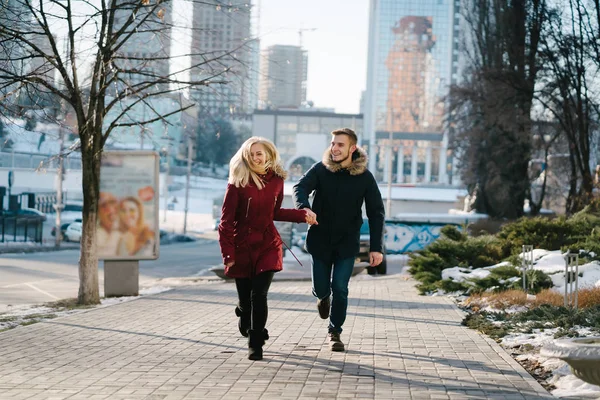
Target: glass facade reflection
x,y
412,62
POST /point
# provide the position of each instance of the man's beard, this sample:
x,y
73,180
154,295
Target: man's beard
x,y
340,161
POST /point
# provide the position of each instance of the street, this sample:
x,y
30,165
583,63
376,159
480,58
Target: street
x,y
36,278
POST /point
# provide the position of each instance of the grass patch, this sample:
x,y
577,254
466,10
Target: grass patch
x,y
8,319
40,316
67,304
25,323
481,323
588,298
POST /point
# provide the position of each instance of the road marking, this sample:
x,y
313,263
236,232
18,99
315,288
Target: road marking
x,y
28,283
42,291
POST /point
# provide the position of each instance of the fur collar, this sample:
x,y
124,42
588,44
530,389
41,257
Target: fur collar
x,y
358,166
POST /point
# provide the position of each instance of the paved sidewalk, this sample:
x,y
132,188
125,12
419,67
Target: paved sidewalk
x,y
184,344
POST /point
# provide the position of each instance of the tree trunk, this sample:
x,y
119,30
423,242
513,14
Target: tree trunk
x,y
88,261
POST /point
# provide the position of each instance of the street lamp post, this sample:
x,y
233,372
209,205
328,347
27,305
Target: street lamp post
x,y
187,183
58,207
388,210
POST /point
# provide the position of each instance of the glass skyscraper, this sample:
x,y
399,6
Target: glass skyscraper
x,y
412,61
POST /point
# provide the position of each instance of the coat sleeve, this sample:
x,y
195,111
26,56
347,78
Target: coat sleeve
x,y
287,214
304,187
376,214
226,226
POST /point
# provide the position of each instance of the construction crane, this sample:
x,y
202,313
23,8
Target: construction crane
x,y
300,34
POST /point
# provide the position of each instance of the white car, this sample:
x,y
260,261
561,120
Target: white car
x,y
73,232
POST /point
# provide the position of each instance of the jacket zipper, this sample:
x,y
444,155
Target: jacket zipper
x,y
248,208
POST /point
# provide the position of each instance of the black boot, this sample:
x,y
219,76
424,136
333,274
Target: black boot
x,y
256,341
244,322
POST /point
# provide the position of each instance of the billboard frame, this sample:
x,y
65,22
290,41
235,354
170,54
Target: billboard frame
x,y
156,187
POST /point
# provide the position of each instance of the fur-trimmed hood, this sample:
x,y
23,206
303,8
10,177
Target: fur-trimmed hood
x,y
358,166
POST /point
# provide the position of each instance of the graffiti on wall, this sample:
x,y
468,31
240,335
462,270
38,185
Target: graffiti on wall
x,y
404,237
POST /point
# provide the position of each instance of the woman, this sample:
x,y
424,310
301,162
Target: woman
x,y
250,244
137,238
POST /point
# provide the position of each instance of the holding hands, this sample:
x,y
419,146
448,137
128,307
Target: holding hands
x,y
311,217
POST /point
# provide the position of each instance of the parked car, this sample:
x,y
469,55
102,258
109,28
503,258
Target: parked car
x,y
32,212
73,207
363,255
73,232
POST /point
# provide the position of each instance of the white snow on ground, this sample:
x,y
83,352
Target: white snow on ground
x,y
553,264
20,316
459,274
567,384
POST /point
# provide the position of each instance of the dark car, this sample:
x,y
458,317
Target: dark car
x,y
63,229
363,254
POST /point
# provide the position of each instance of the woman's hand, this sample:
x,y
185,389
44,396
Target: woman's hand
x,y
230,264
311,217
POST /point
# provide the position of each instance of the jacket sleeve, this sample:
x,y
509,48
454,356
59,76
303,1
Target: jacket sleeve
x,y
304,187
376,215
287,214
226,230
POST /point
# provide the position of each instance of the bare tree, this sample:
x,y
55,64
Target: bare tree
x,y
569,91
84,54
491,108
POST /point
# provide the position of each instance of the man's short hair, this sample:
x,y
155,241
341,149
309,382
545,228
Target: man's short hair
x,y
348,132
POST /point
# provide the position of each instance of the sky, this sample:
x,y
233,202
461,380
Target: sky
x,y
337,48
336,44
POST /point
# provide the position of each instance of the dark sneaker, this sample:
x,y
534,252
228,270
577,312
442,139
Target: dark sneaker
x,y
335,343
323,306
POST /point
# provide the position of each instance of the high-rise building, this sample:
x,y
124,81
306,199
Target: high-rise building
x,y
14,15
224,53
144,57
412,61
283,76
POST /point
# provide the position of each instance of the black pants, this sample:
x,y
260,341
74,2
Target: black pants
x,y
252,294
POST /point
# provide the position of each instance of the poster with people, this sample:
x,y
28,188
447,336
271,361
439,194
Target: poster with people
x,y
128,206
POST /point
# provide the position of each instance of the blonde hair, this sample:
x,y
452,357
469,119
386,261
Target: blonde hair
x,y
240,166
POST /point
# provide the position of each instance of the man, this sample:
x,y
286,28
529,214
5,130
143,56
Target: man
x,y
341,183
108,235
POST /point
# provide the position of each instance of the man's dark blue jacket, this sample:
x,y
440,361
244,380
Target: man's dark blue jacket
x,y
339,196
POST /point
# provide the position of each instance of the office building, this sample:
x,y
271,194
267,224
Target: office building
x,y
283,77
412,61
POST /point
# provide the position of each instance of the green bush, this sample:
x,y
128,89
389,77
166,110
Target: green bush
x,y
453,233
450,286
538,280
506,272
426,265
456,249
541,232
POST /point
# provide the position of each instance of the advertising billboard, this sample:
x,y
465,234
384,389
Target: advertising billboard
x,y
128,206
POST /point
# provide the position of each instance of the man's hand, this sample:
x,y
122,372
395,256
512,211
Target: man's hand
x,y
311,217
375,258
230,264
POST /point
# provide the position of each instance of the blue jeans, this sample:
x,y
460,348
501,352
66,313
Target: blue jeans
x,y
324,286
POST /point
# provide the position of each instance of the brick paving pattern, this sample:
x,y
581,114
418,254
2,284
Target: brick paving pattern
x,y
184,344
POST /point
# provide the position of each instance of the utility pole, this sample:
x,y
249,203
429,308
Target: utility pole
x,y
59,186
166,193
187,183
388,210
142,129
